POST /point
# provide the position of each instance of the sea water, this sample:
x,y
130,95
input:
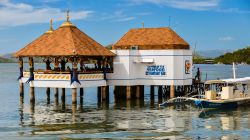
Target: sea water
x,y
116,120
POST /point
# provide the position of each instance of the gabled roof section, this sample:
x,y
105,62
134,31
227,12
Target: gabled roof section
x,y
151,38
67,40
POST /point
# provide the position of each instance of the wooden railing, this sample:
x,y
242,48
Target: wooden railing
x,y
64,76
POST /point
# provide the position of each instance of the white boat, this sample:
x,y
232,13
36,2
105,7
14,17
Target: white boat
x,y
225,93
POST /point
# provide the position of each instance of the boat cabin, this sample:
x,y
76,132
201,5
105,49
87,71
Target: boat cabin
x,y
227,88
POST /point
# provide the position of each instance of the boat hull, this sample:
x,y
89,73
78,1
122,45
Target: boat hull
x,y
212,104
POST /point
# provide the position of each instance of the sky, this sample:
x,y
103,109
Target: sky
x,y
206,24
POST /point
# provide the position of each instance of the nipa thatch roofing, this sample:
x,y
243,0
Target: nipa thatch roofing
x,y
67,40
151,38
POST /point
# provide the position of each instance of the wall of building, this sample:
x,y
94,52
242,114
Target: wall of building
x,y
130,67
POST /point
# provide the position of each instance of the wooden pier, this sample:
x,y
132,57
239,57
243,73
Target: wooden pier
x,y
128,67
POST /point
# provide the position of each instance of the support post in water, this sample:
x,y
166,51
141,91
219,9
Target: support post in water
x,y
21,89
172,91
48,94
103,91
32,94
160,93
81,92
74,96
128,92
142,91
63,96
56,96
152,92
138,94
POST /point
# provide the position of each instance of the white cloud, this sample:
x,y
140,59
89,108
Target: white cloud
x,y
226,38
197,5
15,14
125,19
117,16
234,10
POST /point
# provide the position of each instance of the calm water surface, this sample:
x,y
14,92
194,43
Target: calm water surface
x,y
116,120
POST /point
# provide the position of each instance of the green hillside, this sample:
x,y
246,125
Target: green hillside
x,y
239,56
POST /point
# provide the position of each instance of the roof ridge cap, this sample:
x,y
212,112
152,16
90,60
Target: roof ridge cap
x,y
74,51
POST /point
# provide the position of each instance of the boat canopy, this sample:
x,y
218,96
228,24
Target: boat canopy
x,y
244,80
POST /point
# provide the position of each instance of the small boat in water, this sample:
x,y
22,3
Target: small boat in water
x,y
224,93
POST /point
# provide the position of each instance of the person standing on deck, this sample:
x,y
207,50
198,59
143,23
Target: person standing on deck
x,y
63,64
82,67
198,75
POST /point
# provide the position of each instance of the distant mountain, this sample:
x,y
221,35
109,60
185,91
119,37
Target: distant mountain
x,y
10,57
5,60
212,53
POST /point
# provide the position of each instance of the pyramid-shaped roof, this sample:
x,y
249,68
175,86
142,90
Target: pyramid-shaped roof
x,y
151,38
67,40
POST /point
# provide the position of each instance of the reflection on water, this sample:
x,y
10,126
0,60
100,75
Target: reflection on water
x,y
134,119
50,118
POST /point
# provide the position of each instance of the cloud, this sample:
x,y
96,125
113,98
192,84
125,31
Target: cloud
x,y
226,38
233,10
117,16
15,14
197,5
125,19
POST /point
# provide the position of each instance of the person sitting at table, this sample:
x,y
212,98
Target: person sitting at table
x,y
56,64
47,61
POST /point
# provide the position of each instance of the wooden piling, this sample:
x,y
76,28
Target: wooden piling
x,y
104,93
99,96
138,93
107,91
74,107
48,94
152,92
74,96
160,93
21,89
32,94
81,92
81,104
142,91
63,96
172,91
21,111
128,92
56,96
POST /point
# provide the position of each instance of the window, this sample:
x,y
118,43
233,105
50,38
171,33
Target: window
x,y
134,48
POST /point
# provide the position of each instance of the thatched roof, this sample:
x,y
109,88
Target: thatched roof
x,y
151,38
67,40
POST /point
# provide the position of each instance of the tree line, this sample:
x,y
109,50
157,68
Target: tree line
x,y
238,56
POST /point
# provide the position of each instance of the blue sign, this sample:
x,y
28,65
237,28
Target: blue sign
x,y
156,70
